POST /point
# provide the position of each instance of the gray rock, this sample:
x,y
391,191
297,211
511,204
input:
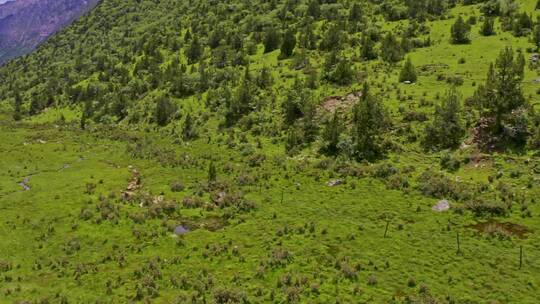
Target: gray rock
x,y
335,182
181,230
441,206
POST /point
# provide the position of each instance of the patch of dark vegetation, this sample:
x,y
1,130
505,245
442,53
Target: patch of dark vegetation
x,y
502,230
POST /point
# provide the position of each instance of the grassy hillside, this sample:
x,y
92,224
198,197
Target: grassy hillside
x,y
242,152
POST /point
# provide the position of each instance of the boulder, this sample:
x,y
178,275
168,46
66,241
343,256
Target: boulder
x,y
441,206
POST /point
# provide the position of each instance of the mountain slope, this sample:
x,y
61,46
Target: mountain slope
x,y
24,24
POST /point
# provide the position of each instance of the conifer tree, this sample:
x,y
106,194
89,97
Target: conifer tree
x,y
188,128
194,51
391,49
288,44
35,106
355,14
271,40
446,129
314,9
502,92
460,32
164,111
536,36
331,134
488,27
212,173
367,51
86,113
17,111
369,122
408,72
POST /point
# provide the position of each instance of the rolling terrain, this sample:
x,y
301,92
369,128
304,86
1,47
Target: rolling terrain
x,y
275,152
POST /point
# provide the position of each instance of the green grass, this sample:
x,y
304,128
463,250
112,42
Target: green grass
x,y
38,224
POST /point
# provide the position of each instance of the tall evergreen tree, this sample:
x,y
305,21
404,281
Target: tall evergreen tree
x,y
194,51
331,134
369,122
488,27
271,40
502,92
460,31
212,173
164,111
314,9
367,50
288,44
446,129
408,72
391,49
17,107
536,36
86,113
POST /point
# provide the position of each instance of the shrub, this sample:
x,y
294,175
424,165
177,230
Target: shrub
x,y
177,186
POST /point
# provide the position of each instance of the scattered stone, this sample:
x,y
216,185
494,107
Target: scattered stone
x,y
25,184
181,230
133,186
335,182
441,206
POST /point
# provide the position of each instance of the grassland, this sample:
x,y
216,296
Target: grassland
x,y
324,243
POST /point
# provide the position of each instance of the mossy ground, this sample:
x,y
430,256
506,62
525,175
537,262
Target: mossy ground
x,y
43,227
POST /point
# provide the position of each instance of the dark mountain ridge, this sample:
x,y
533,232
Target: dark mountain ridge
x,y
24,24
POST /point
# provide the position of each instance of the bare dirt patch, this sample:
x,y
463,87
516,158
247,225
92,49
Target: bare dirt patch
x,y
340,103
495,228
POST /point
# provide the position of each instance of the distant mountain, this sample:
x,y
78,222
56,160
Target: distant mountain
x,y
24,24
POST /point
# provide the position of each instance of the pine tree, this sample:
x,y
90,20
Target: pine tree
x,y
460,32
522,25
502,92
86,113
314,9
355,14
536,36
446,129
271,40
369,122
194,51
331,134
288,44
35,106
390,49
331,39
295,101
17,107
212,173
343,73
188,128
408,72
367,51
488,27
164,111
